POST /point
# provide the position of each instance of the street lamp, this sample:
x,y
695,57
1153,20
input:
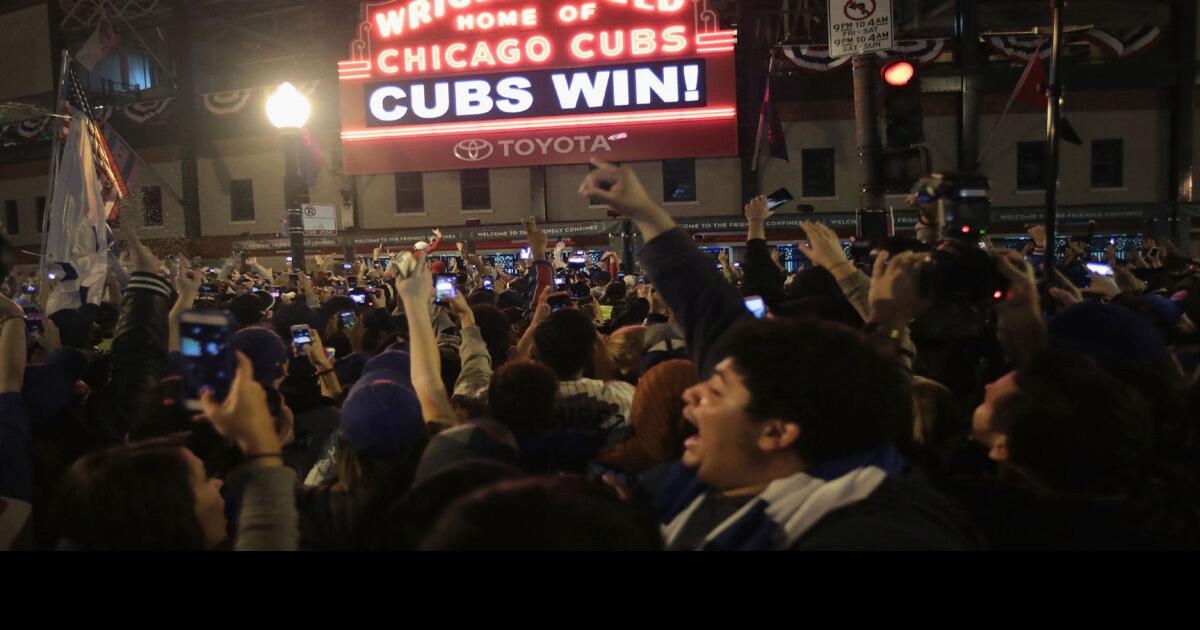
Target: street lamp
x,y
288,110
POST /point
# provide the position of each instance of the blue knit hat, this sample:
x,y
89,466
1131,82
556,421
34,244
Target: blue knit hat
x,y
265,350
382,417
1108,333
394,360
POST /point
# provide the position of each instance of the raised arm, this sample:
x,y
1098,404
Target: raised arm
x,y
763,277
703,304
16,441
187,284
416,293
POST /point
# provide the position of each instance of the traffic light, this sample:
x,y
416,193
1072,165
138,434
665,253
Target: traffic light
x,y
904,120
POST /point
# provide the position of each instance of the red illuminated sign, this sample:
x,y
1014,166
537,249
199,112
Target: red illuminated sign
x,y
450,84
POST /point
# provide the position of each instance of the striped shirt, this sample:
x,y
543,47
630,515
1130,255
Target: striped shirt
x,y
591,404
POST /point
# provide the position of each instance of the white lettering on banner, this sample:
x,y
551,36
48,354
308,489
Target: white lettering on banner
x,y
561,145
544,93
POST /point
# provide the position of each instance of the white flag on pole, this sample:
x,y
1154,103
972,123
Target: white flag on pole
x,y
76,235
97,47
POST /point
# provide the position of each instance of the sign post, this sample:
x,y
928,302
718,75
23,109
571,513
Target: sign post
x,y
454,84
319,220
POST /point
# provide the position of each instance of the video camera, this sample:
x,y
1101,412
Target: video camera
x,y
962,202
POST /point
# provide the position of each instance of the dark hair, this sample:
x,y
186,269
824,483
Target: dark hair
x,y
556,513
1073,427
496,331
615,292
411,517
521,396
602,278
480,297
564,341
136,497
844,394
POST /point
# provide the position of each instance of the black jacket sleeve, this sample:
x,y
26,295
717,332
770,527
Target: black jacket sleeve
x,y
139,356
762,277
702,302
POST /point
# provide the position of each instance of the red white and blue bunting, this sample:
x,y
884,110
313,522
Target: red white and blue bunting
x,y
1111,46
226,103
816,58
147,111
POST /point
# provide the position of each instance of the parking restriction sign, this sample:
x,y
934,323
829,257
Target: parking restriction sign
x,y
859,26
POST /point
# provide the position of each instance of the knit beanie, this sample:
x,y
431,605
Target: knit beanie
x,y
657,418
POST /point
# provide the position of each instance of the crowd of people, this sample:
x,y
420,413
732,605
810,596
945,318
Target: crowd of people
x,y
929,395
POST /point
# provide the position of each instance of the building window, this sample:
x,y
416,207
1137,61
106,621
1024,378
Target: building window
x,y
152,213
1031,161
12,219
818,173
679,180
410,193
40,203
241,200
476,189
1108,164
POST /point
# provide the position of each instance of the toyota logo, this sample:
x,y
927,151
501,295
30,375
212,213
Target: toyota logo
x,y
473,150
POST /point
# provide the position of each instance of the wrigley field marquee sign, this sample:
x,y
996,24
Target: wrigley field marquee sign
x,y
457,84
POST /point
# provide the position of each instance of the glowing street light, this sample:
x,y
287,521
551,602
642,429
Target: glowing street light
x,y
898,73
287,108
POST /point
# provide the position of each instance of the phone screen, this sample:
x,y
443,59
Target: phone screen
x,y
275,293
779,198
606,312
488,283
526,253
444,288
1100,269
560,283
347,266
347,319
301,337
358,298
756,305
352,281
207,360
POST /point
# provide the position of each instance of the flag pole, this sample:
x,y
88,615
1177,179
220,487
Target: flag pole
x,y
54,157
1053,98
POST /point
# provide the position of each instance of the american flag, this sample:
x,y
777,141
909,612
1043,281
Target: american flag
x,y
73,99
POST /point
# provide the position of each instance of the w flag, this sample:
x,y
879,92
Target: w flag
x,y
123,157
76,233
770,129
97,47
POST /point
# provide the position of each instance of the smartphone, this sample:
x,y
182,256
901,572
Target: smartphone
x,y
287,259
1100,269
578,258
641,279
778,198
358,296
275,293
620,275
352,281
207,359
294,278
444,288
875,226
755,304
526,253
488,283
301,338
346,320
33,324
558,302
51,275
347,266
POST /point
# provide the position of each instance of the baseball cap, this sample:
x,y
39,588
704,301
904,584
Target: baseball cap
x,y
265,349
382,417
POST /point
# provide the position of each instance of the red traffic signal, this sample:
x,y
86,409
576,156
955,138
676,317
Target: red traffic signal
x,y
898,73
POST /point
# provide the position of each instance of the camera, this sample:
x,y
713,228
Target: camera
x,y
962,201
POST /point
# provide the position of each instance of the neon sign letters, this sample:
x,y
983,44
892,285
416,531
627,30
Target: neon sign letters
x,y
426,75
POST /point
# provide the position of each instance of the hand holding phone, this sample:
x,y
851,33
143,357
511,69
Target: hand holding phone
x,y
207,359
346,320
